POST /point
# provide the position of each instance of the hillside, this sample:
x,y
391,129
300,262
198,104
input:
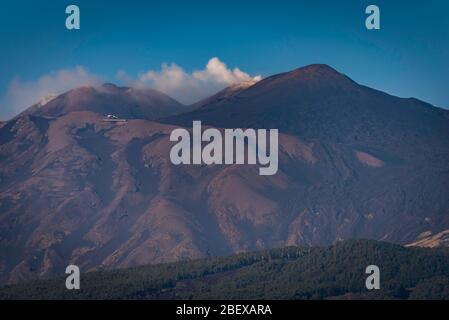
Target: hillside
x,y
353,163
335,272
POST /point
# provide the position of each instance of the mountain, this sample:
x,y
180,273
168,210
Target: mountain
x,y
336,272
124,102
353,162
378,164
317,102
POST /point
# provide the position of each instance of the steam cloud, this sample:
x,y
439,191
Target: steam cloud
x,y
22,94
171,79
189,87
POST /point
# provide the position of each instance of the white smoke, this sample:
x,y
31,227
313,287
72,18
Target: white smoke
x,y
189,87
22,94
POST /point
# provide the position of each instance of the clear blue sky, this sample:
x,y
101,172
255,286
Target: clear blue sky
x,y
409,56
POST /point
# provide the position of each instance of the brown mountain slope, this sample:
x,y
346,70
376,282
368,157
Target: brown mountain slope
x,y
100,194
387,157
354,162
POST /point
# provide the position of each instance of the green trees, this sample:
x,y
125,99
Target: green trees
x,y
336,272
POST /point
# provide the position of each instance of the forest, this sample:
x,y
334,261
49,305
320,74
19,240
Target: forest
x,y
332,272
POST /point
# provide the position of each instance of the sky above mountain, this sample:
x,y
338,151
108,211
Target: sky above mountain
x,y
191,49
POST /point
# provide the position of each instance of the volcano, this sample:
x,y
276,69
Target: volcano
x,y
354,162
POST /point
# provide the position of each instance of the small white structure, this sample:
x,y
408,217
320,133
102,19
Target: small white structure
x,y
114,118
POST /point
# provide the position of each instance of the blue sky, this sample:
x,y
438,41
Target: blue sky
x,y
408,57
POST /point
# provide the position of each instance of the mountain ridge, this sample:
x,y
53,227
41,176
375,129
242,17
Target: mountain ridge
x,y
353,162
125,102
